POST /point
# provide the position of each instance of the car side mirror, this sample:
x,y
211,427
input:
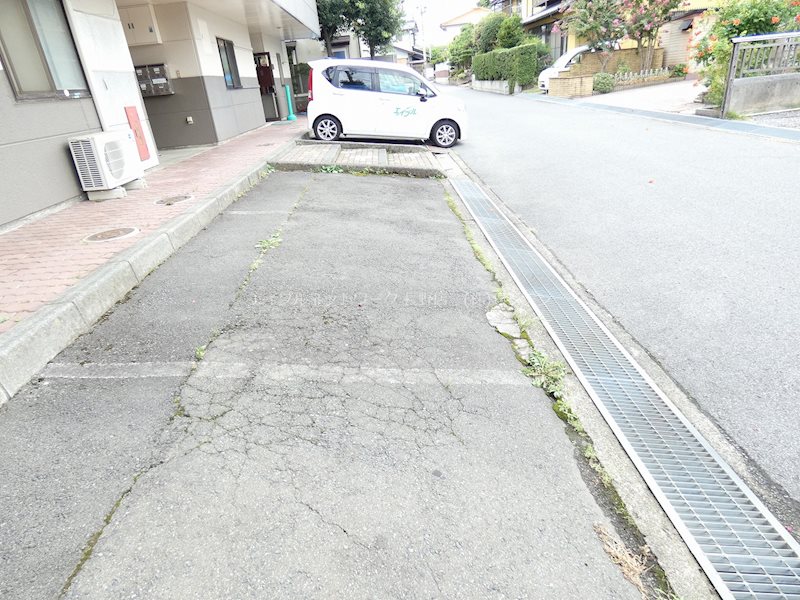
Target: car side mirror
x,y
423,94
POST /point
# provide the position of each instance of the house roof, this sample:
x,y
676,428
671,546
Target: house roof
x,y
471,16
547,12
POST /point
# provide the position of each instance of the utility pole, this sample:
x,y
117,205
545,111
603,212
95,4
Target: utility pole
x,y
421,8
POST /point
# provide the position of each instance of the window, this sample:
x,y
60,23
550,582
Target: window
x,y
395,82
229,68
340,54
37,50
354,78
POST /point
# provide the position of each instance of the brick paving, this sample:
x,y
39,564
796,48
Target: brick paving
x,y
395,158
42,259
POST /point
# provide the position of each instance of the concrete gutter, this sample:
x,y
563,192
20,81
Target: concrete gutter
x,y
28,346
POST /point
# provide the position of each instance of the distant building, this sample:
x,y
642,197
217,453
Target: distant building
x,y
452,27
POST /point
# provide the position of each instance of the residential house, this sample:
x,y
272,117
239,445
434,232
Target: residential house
x,y
510,7
452,27
176,73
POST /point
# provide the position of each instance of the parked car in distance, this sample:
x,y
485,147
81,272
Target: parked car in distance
x,y
375,99
561,65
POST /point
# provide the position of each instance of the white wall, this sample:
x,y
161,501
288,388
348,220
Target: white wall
x,y
304,11
206,28
100,40
177,49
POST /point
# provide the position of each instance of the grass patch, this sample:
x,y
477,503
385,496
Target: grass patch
x,y
330,169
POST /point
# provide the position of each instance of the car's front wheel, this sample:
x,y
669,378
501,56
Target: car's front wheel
x,y
327,128
445,134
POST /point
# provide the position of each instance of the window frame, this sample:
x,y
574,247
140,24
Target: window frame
x,y
429,93
373,78
233,66
54,93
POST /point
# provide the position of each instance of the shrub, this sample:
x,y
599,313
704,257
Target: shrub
x,y
679,70
486,32
510,33
603,83
462,48
520,65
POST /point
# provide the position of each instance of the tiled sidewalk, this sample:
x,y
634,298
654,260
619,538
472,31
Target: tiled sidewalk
x,y
55,283
41,260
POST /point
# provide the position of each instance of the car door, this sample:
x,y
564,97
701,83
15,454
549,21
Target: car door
x,y
403,111
354,99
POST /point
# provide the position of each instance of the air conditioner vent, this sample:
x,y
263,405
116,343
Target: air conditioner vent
x,y
106,160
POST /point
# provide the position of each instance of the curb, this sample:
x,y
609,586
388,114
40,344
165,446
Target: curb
x,y
28,346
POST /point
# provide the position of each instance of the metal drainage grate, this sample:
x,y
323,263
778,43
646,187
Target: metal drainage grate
x,y
111,234
744,550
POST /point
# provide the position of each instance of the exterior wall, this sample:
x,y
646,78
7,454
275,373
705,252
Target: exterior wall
x,y
753,95
189,50
38,172
675,43
103,50
37,167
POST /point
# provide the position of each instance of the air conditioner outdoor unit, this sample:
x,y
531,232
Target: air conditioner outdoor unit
x,y
106,160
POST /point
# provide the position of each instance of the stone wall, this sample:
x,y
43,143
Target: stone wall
x,y
571,87
590,62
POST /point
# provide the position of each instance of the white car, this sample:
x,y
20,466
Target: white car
x,y
366,98
561,65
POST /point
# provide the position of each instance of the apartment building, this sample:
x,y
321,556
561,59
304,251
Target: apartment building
x,y
174,74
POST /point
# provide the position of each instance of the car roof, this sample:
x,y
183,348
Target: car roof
x,y
324,63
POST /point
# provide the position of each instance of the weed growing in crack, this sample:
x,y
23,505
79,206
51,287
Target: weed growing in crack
x,y
330,169
368,171
545,373
200,352
180,410
267,170
271,242
476,248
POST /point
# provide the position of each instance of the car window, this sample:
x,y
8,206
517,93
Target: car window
x,y
395,82
353,78
329,73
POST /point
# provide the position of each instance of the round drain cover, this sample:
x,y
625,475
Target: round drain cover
x,y
111,234
173,200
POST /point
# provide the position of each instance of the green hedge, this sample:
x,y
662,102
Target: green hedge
x,y
520,65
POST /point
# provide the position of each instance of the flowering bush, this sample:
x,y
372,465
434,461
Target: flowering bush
x,y
737,18
679,70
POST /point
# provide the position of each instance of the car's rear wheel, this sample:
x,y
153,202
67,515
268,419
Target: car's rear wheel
x,y
327,128
445,134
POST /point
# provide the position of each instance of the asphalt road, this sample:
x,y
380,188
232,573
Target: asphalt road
x,y
354,426
687,235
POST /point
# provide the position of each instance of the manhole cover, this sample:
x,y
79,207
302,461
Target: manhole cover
x,y
173,200
111,234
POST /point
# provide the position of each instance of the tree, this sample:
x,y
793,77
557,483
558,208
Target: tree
x,y
486,32
601,23
376,22
333,21
645,18
510,33
485,3
439,54
462,48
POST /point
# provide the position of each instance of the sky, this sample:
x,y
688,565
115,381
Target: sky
x,y
436,12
